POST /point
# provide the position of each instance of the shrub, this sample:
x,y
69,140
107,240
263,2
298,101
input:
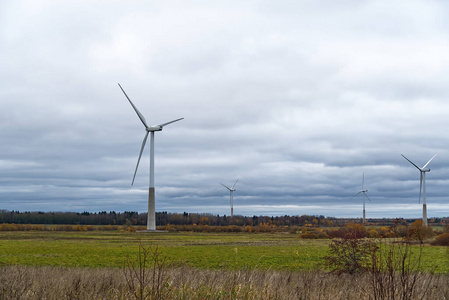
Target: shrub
x,y
349,255
401,231
351,230
372,233
309,235
315,233
355,230
294,229
441,240
419,232
322,234
385,232
336,233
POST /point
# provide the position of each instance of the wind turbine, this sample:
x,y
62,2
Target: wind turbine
x,y
231,191
422,187
151,219
363,192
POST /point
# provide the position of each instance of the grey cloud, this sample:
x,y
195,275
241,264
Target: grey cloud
x,y
297,100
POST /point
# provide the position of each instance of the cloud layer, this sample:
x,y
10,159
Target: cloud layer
x,y
297,99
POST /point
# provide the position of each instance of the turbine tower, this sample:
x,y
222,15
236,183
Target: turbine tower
x,y
422,187
363,192
151,218
231,191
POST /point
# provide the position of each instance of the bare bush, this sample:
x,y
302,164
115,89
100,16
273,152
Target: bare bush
x,y
146,275
392,270
395,272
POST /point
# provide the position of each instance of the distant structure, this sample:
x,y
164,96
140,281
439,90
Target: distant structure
x,y
151,219
231,191
363,191
422,187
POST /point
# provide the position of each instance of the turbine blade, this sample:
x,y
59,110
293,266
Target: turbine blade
x,y
355,195
162,125
420,188
141,117
140,155
367,196
225,186
235,184
429,160
411,162
363,179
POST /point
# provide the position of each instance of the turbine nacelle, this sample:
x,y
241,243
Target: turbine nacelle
x,y
230,189
159,127
233,187
154,128
423,169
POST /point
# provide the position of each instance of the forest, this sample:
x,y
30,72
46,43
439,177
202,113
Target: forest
x,y
164,218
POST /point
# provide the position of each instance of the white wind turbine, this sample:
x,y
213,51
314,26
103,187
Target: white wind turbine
x,y
363,192
422,187
151,219
231,191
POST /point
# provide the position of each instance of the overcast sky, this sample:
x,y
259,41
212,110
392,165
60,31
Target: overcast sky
x,y
297,99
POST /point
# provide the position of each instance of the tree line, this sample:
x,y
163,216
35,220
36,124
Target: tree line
x,y
164,218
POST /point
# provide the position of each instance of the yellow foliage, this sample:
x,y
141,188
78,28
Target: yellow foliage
x,y
372,233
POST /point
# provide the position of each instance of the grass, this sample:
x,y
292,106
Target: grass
x,y
89,265
104,249
198,250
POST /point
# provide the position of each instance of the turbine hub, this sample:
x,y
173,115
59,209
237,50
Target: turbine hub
x,y
154,128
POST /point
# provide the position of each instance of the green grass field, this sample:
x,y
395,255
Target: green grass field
x,y
199,250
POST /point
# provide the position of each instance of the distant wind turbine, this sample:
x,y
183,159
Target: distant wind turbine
x,y
231,191
363,192
151,218
422,187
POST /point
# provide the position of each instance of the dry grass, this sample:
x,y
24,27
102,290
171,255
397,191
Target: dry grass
x,y
20,282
